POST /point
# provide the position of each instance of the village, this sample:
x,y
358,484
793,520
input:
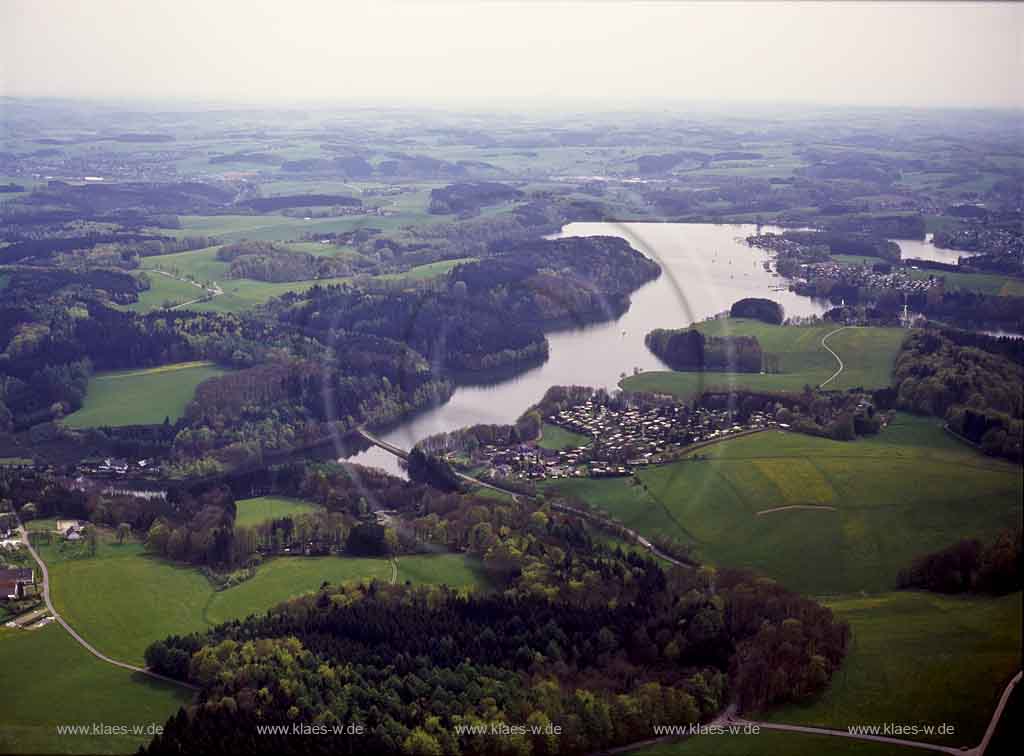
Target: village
x,y
620,440
877,277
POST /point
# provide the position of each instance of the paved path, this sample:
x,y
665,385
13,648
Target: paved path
x,y
852,736
82,641
838,359
980,748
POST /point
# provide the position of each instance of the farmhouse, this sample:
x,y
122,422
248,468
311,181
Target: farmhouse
x,y
14,581
71,530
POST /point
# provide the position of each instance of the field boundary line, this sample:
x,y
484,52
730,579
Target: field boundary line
x,y
824,507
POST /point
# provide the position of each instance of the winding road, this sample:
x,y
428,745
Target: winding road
x,y
71,631
838,358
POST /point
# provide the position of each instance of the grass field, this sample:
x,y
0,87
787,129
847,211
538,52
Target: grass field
x,y
163,289
920,658
553,437
287,577
254,511
270,227
124,599
135,397
455,570
868,356
50,680
243,293
910,490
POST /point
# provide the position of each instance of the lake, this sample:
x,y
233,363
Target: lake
x,y
926,250
705,268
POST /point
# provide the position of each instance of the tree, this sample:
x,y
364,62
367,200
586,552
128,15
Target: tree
x,y
421,743
157,538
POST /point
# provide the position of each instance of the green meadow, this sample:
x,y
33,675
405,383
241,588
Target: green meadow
x,y
880,502
554,437
50,680
162,290
123,599
254,511
240,294
456,570
868,355
137,397
920,658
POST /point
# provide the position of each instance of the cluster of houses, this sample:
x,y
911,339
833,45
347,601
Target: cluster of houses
x,y
621,439
877,277
113,466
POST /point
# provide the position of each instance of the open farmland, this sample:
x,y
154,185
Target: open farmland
x,y
555,437
920,658
123,599
456,570
50,680
263,508
239,294
881,502
868,356
139,397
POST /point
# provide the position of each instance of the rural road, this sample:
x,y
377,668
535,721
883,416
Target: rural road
x,y
838,358
850,735
82,641
214,291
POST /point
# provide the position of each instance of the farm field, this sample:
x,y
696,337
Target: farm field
x,y
50,680
123,599
868,356
554,437
254,511
164,289
137,397
920,658
270,227
282,578
455,570
242,293
910,490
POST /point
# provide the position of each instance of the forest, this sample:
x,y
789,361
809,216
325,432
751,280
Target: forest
x,y
969,566
759,309
689,349
976,391
603,643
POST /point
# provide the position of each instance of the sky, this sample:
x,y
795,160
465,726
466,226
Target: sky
x,y
943,54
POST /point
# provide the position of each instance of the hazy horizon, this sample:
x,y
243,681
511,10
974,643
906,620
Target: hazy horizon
x,y
490,55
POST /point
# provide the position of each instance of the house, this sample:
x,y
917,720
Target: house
x,y
71,530
14,581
